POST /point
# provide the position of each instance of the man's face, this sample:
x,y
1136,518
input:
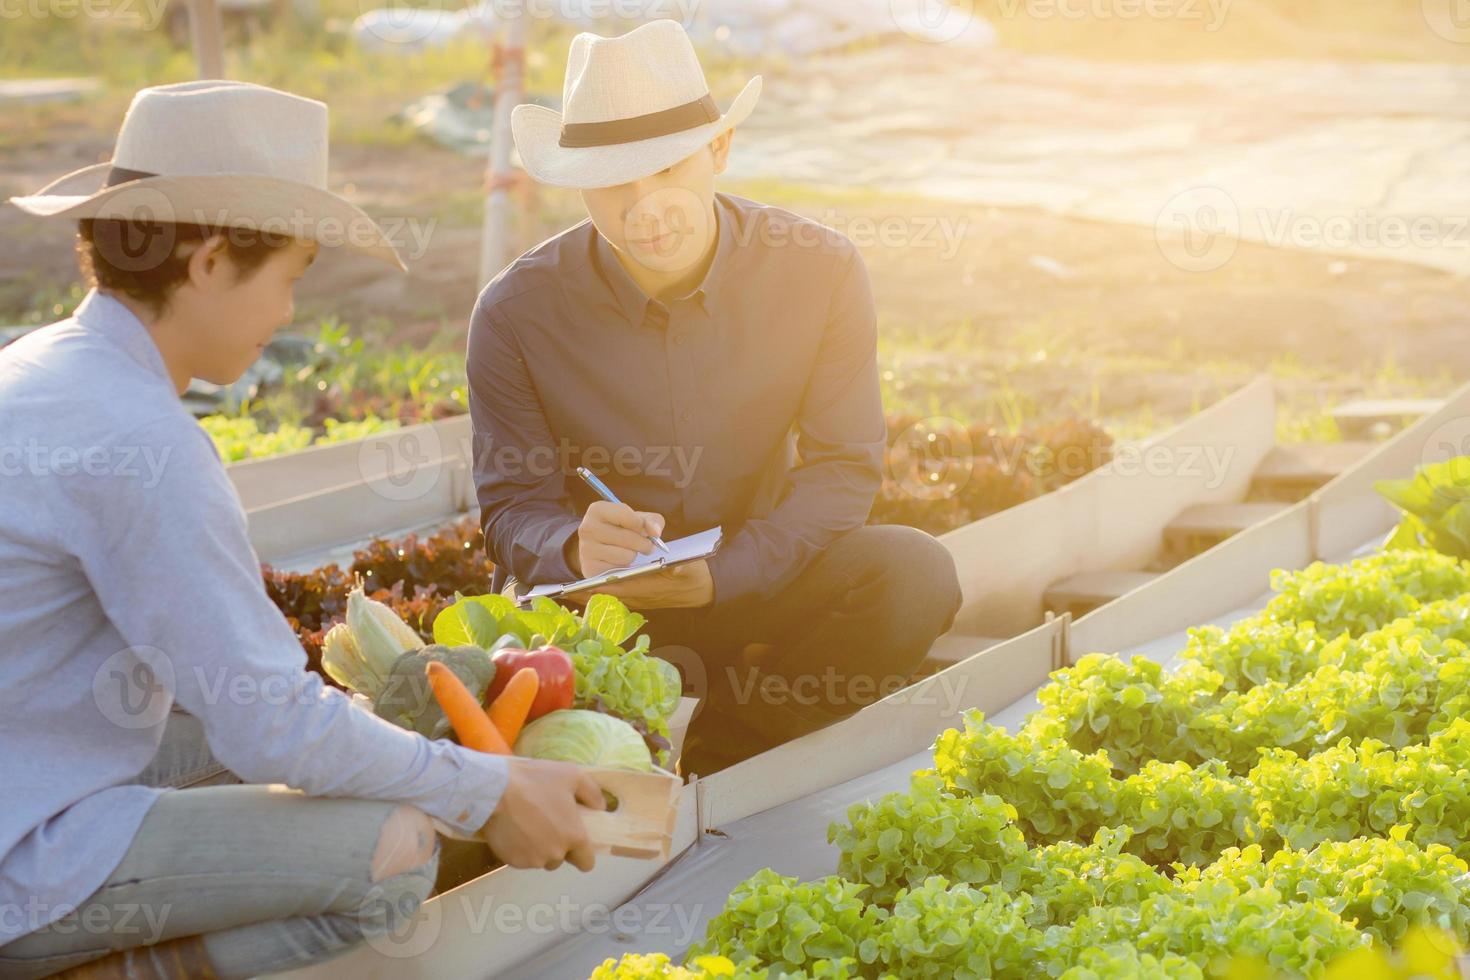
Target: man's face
x,y
233,315
663,222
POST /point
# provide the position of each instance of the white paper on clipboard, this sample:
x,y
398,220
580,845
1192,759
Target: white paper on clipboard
x,y
690,548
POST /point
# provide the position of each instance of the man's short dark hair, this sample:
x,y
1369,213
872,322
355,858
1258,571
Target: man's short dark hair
x,y
142,259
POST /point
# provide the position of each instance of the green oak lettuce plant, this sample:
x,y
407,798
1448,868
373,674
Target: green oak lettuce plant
x,y
1384,884
1058,792
940,931
1367,593
791,925
1435,503
901,839
1293,794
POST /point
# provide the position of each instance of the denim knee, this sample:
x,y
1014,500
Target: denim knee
x,y
391,904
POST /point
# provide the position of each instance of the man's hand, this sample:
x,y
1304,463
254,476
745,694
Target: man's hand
x,y
684,586
611,536
536,824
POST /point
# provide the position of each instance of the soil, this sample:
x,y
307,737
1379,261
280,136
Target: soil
x,y
1070,293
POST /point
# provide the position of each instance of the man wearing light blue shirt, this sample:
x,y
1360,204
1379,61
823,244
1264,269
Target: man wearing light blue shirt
x,y
128,587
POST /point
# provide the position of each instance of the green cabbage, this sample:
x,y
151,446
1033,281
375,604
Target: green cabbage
x,y
588,738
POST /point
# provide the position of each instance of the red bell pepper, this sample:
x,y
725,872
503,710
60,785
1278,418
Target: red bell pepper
x,y
553,668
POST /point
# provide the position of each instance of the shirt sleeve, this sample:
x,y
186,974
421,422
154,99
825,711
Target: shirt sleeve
x,y
840,439
524,507
169,558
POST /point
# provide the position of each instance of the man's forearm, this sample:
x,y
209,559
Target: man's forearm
x,y
530,540
828,499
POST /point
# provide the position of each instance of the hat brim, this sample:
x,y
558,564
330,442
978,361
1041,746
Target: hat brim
x,y
266,204
537,133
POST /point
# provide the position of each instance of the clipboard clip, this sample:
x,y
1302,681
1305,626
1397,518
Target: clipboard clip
x,y
607,578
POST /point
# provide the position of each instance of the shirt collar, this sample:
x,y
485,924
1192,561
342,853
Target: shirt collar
x,y
634,301
104,316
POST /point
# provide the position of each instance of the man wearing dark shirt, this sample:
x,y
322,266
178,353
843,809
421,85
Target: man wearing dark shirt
x,y
714,360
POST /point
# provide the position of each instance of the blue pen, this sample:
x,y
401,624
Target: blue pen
x,y
610,497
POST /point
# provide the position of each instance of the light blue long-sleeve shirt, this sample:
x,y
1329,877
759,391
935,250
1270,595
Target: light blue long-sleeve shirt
x,y
127,582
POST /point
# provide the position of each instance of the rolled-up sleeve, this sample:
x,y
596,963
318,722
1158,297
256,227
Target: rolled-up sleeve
x,y
172,565
840,439
524,508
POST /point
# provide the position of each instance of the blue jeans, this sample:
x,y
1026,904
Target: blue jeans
x,y
850,629
270,878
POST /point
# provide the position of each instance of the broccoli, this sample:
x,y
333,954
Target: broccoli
x,y
406,699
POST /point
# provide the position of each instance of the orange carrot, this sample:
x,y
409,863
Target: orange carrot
x,y
463,710
509,710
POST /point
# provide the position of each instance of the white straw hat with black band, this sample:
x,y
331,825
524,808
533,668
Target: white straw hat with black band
x,y
220,154
631,106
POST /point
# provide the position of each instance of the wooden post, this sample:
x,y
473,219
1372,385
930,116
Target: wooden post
x,y
495,244
208,38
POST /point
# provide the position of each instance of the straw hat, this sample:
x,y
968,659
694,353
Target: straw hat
x,y
221,154
632,106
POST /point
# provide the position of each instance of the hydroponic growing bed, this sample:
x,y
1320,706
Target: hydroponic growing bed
x,y
1273,789
775,810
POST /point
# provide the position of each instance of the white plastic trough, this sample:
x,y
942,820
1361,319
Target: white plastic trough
x,y
1111,518
335,496
327,500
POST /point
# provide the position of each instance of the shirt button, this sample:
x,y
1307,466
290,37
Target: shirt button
x,y
678,338
684,416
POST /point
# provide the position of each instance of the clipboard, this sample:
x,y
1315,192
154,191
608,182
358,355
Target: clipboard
x,y
681,550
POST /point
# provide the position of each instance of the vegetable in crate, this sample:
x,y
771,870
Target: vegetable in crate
x,y
512,706
588,738
553,669
629,684
343,661
406,698
471,725
360,653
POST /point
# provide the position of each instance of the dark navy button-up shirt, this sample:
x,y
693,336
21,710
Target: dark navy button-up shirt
x,y
752,402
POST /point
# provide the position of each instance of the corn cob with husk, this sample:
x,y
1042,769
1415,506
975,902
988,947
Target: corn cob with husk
x,y
359,653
